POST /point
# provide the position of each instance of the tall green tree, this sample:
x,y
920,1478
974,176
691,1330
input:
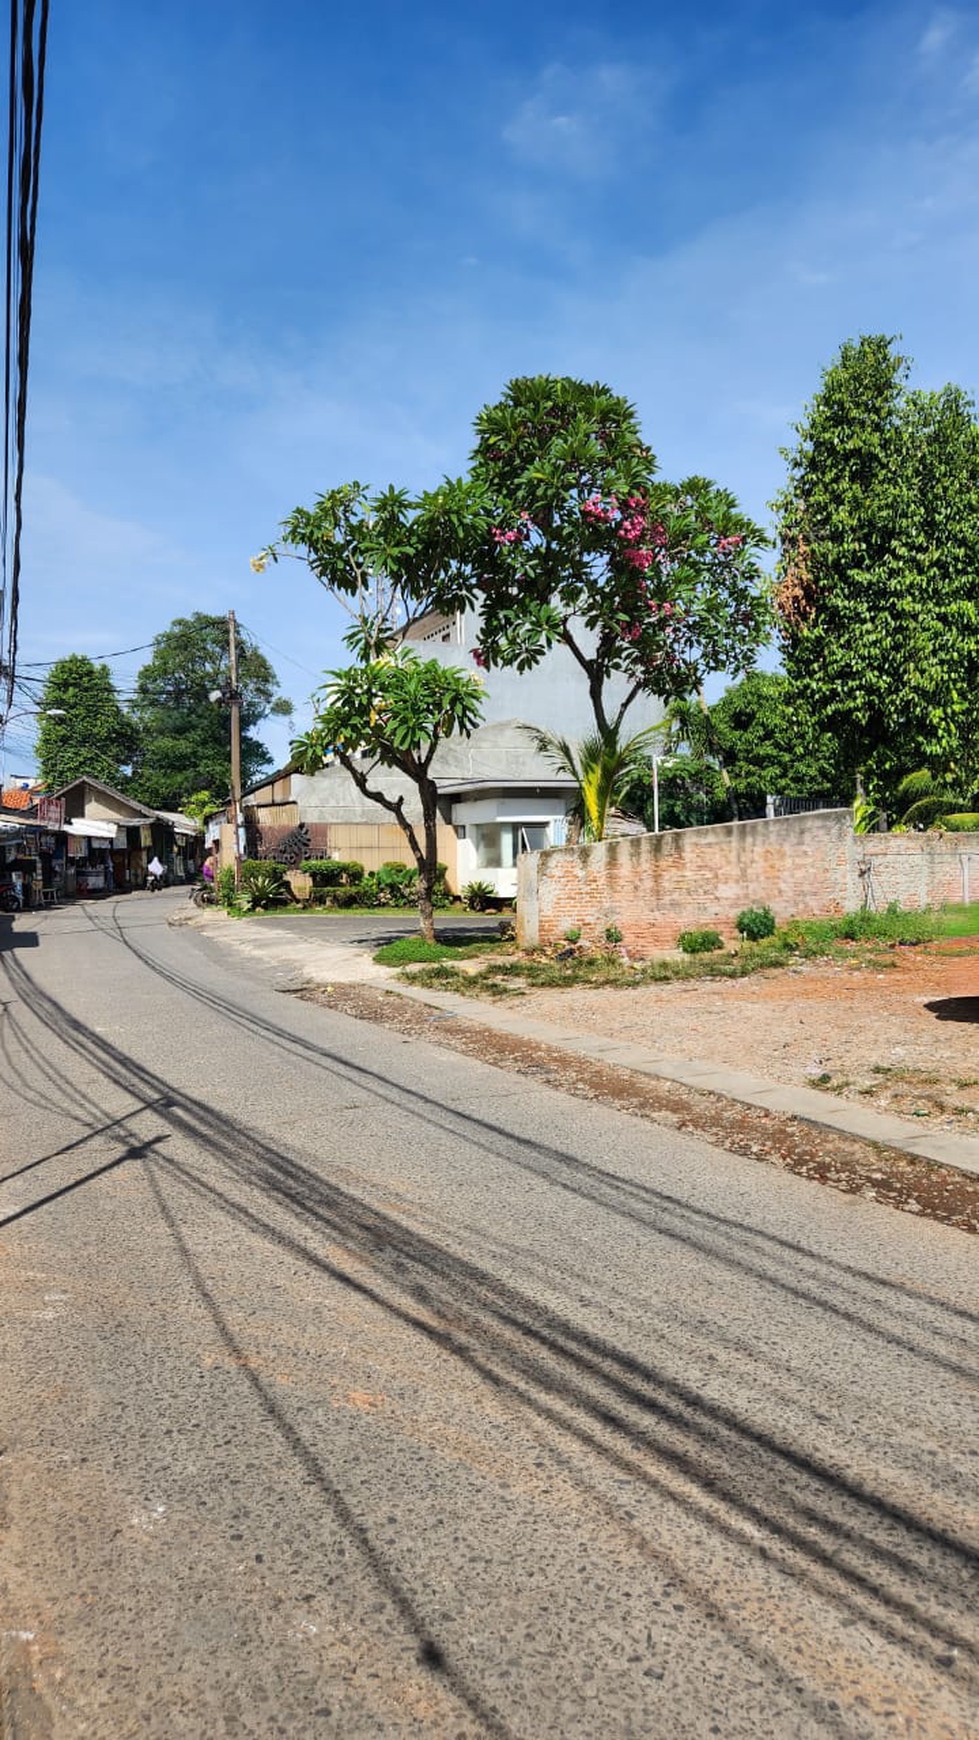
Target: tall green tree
x,y
184,736
878,596
91,734
580,544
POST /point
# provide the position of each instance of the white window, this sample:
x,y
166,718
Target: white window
x,y
499,843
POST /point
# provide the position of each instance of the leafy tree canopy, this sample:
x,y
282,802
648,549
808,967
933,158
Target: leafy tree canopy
x,y
387,557
577,542
878,599
185,742
767,743
95,736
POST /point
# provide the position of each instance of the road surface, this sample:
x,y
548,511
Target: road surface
x,y
352,1387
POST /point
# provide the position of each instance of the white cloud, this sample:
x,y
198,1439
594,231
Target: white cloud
x,y
938,33
577,122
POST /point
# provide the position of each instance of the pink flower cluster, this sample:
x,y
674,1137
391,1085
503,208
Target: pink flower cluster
x,y
734,542
646,541
519,535
478,657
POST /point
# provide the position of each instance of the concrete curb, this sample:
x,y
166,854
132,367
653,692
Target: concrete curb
x,y
329,963
807,1104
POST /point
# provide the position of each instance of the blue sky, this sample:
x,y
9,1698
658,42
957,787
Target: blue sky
x,y
280,247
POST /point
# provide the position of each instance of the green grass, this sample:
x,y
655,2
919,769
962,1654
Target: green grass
x,y
408,950
860,939
958,920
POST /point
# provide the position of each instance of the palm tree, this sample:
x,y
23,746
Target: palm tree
x,y
604,765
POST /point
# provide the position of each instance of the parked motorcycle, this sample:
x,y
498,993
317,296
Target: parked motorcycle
x,y
9,898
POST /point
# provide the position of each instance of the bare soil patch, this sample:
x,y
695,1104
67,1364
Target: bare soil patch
x,y
900,1035
855,1167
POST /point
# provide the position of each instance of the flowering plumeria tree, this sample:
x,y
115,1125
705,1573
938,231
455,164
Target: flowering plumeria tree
x,y
385,558
393,711
581,545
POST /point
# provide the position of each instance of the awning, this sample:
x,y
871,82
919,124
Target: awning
x,y
89,830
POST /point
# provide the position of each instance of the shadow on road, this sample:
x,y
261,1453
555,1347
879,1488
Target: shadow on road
x,y
886,1564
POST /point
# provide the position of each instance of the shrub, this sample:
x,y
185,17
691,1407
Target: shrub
x,y
755,923
613,935
343,897
699,942
332,872
477,895
226,885
573,933
263,883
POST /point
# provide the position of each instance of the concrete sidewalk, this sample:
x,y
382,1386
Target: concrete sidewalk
x,y
324,963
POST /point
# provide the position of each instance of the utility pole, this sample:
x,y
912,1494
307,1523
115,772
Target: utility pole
x,y
234,701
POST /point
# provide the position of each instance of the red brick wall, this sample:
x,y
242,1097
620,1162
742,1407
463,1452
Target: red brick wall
x,y
652,886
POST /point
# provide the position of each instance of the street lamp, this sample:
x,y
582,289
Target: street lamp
x,y
25,713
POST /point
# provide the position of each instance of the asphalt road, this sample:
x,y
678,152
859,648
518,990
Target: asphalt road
x,y
352,1387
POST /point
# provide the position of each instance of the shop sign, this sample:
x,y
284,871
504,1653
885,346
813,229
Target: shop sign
x,y
51,812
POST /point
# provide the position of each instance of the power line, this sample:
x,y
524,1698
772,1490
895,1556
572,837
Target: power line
x,y
278,652
96,658
28,53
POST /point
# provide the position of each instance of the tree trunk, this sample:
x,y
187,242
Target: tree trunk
x,y
428,862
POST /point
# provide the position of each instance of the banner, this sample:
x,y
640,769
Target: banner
x,y
51,812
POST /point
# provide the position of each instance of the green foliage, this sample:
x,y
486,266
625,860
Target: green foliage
x,y
200,805
227,892
613,935
961,822
477,895
878,530
263,884
393,711
393,553
348,897
406,950
185,740
767,742
95,736
580,544
573,933
755,923
606,767
332,872
699,942
817,936
691,794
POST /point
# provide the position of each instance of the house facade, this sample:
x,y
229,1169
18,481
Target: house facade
x,y
498,796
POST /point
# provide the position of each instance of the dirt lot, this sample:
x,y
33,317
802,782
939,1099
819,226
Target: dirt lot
x,y
902,1036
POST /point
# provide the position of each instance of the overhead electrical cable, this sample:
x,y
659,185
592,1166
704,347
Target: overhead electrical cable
x,y
28,54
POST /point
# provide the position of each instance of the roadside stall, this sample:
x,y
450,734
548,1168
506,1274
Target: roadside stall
x,y
89,862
